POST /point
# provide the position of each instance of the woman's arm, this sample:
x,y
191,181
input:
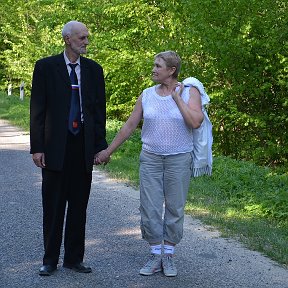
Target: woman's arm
x,y
124,133
191,112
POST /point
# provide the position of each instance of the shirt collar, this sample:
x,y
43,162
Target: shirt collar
x,y
67,61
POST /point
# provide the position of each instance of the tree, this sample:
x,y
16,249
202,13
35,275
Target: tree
x,y
237,48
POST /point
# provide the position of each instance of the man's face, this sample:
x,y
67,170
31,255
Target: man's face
x,y
78,40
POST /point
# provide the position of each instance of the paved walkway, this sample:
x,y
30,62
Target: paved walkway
x,y
114,248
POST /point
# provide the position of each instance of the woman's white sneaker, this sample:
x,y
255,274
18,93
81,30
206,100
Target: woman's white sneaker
x,y
168,265
152,266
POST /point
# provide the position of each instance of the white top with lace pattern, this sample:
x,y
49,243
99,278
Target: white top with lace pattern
x,y
164,130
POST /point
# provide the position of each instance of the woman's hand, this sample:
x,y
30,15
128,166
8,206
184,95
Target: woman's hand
x,y
176,94
191,112
102,157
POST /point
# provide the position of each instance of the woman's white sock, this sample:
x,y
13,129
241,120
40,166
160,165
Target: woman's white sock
x,y
156,249
169,249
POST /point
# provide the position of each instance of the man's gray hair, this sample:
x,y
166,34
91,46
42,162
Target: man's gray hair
x,y
69,27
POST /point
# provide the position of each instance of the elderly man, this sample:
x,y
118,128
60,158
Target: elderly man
x,y
67,128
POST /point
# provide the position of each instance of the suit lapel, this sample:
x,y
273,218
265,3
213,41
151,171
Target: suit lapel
x,y
62,69
84,78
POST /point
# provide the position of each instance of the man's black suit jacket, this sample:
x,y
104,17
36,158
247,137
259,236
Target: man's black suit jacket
x,y
50,105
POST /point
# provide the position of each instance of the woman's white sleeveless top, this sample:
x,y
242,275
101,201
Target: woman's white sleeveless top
x,y
164,130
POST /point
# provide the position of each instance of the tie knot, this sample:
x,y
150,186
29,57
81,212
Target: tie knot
x,y
73,66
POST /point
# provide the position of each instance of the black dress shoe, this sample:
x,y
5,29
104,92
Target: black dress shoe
x,y
80,268
47,270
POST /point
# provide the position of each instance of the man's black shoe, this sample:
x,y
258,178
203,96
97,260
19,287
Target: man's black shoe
x,y
80,268
47,270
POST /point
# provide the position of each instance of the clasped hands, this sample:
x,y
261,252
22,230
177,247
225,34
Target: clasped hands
x,y
101,157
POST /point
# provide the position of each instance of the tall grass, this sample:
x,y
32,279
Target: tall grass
x,y
242,200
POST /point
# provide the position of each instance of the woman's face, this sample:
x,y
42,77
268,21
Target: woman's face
x,y
160,71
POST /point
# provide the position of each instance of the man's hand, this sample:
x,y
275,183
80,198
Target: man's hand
x,y
102,157
39,159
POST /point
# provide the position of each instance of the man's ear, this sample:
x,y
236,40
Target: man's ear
x,y
67,39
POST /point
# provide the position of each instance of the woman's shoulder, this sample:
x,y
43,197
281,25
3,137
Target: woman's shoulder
x,y
149,89
148,92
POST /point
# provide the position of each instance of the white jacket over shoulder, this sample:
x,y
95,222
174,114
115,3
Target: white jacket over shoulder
x,y
202,136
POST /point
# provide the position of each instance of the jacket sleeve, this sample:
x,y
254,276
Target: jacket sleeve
x,y
37,110
100,125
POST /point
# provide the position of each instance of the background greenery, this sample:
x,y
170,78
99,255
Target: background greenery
x,y
237,48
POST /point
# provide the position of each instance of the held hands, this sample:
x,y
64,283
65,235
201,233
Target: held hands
x,y
101,157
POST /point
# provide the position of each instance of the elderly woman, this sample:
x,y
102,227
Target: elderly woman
x,y
170,111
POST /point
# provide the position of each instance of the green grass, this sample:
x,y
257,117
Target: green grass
x,y
15,110
240,199
244,201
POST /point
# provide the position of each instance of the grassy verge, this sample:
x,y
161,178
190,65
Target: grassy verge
x,y
240,199
15,110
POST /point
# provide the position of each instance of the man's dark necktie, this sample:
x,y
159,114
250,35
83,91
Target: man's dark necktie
x,y
75,114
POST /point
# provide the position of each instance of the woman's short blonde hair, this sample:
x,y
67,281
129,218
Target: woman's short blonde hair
x,y
171,59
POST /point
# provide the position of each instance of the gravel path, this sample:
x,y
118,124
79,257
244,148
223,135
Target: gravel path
x,y
114,248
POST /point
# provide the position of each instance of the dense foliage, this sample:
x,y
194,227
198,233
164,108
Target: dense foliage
x,y
237,48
